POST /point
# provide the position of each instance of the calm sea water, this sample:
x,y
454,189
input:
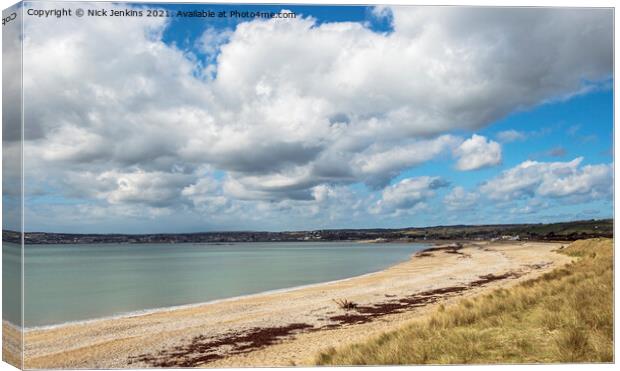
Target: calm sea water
x,y
65,283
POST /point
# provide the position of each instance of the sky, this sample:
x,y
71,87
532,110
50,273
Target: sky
x,y
341,117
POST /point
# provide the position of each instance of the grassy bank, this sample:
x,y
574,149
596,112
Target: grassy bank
x,y
563,316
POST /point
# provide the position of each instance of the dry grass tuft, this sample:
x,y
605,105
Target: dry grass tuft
x,y
345,304
565,315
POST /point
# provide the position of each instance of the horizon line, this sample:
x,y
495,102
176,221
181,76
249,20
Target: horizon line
x,y
310,230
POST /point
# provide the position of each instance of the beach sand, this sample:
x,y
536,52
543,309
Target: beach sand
x,y
11,344
291,327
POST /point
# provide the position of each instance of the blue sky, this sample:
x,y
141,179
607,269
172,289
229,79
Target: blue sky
x,y
343,117
581,126
559,131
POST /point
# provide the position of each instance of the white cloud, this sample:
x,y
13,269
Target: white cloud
x,y
592,180
378,165
551,179
478,152
289,105
407,193
533,206
510,136
460,199
210,41
205,192
381,11
156,188
524,210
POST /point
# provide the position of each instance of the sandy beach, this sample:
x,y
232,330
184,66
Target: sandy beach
x,y
291,327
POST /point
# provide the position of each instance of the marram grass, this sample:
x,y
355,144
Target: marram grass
x,y
563,316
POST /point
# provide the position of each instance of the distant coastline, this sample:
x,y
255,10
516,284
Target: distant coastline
x,y
565,231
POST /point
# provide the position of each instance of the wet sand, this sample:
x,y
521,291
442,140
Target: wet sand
x,y
291,327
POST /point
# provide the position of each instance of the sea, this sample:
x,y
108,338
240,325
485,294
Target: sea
x,y
79,282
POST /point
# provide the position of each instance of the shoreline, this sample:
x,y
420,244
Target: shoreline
x,y
143,312
290,325
172,308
